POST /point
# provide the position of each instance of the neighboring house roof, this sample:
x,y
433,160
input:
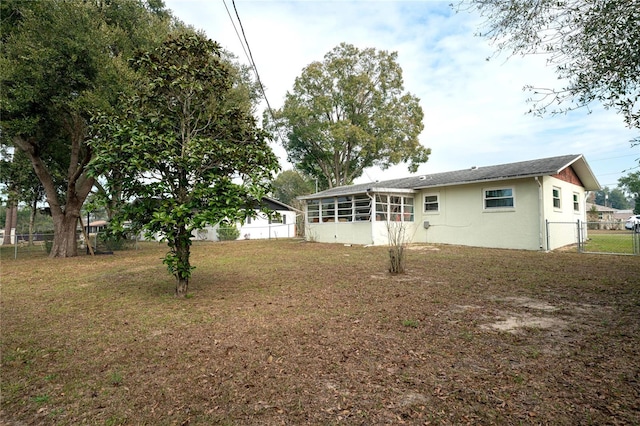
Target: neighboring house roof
x,y
540,167
273,204
601,209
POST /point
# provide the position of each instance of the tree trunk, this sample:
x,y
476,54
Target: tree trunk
x,y
65,240
183,267
10,222
32,220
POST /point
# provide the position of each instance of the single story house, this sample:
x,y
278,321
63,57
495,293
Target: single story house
x,y
283,225
504,206
603,217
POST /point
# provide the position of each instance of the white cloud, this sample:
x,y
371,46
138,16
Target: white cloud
x,y
475,110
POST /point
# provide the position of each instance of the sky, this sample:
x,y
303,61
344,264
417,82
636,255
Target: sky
x,y
475,110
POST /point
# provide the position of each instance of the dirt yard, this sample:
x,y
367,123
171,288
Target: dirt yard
x,y
287,332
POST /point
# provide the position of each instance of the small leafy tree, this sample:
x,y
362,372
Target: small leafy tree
x,y
189,151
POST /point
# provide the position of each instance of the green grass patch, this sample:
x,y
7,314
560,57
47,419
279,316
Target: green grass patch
x,y
611,243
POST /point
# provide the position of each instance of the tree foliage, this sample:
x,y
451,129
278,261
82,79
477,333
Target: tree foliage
x,y
594,46
611,198
350,112
189,151
291,184
631,184
63,60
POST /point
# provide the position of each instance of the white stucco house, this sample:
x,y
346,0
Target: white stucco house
x,y
260,227
503,206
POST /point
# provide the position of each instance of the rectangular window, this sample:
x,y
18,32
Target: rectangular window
x,y
498,198
328,211
362,207
345,209
431,203
382,207
576,202
556,197
313,211
395,208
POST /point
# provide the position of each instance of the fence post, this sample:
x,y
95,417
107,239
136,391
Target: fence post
x,y
579,237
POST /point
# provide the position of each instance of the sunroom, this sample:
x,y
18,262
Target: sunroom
x,y
359,218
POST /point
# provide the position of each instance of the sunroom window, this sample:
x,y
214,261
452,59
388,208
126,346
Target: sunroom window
x,y
345,209
362,207
328,209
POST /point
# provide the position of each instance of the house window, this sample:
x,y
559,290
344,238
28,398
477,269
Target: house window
x,y
576,202
345,209
498,198
382,205
277,218
328,210
407,209
362,207
556,197
394,207
431,203
313,211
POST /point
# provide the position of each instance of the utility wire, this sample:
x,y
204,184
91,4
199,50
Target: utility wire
x,y
249,55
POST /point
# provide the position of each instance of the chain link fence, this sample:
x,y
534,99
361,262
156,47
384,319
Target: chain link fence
x,y
594,237
40,244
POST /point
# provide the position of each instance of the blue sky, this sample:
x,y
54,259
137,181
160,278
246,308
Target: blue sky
x,y
475,109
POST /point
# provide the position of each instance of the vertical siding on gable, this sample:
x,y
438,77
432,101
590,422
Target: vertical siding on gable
x,y
569,175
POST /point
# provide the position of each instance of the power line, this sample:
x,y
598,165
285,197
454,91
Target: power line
x,y
250,55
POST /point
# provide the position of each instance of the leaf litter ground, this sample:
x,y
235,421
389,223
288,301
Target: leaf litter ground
x,y
287,332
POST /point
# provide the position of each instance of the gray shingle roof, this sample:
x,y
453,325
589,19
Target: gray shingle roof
x,y
539,167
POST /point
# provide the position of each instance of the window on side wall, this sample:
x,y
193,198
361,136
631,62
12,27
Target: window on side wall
x,y
576,202
382,207
431,203
313,211
556,197
407,209
345,209
328,211
499,198
362,207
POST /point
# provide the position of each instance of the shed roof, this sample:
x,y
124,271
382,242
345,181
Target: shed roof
x,y
540,167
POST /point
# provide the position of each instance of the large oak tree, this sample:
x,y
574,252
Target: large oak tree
x,y
350,112
188,150
61,62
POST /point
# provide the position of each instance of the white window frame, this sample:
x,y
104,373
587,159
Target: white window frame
x,y
313,211
576,202
398,211
557,198
498,208
437,203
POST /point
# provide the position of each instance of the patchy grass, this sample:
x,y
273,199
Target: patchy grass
x,y
284,332
611,242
